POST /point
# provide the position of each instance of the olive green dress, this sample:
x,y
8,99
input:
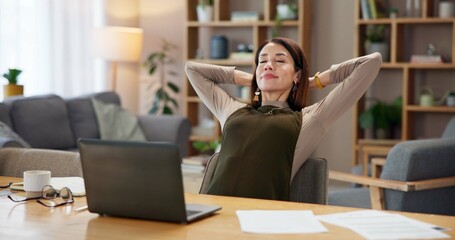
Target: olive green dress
x,y
251,163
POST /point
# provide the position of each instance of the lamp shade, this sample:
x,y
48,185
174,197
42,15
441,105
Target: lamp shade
x,y
118,44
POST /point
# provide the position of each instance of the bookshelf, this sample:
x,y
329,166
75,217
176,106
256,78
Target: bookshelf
x,y
197,42
407,35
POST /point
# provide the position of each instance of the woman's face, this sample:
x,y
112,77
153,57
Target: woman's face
x,y
275,71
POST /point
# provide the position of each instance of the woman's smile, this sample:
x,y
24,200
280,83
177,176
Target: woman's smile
x,y
268,76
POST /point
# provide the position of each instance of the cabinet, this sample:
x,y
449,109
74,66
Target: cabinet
x,y
252,33
406,36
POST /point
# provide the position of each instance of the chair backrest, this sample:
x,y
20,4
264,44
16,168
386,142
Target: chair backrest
x,y
14,161
449,131
309,184
420,160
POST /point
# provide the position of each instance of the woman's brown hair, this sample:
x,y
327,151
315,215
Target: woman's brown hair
x,y
297,98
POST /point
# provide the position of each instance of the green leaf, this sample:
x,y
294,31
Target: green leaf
x,y
173,87
174,102
167,110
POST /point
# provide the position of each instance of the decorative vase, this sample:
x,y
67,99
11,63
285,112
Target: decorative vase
x,y
382,133
284,11
13,90
204,13
381,47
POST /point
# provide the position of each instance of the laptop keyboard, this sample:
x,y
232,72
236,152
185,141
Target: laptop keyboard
x,y
190,212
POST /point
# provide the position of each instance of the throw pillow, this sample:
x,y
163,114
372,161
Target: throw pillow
x,y
116,123
7,132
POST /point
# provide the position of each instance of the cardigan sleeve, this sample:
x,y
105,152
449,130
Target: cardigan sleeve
x,y
205,79
354,77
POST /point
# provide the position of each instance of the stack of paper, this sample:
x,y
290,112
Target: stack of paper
x,y
276,221
373,224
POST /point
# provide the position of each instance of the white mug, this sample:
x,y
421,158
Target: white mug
x,y
34,181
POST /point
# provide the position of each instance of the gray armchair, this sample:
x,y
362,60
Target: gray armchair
x,y
309,184
417,176
14,161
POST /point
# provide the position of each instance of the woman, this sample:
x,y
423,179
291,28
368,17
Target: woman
x,y
264,143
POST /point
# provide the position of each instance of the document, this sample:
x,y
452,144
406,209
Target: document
x,y
75,184
373,224
279,222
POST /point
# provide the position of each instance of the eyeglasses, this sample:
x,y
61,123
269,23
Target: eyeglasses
x,y
48,197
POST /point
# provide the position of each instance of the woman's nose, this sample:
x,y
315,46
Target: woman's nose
x,y
268,66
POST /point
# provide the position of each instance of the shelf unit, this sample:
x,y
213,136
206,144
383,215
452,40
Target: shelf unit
x,y
407,36
198,34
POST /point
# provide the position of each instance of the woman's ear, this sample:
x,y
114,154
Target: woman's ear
x,y
297,76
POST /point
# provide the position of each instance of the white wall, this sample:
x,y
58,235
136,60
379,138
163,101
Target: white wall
x,y
332,42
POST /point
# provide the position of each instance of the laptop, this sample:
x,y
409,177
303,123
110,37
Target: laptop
x,y
137,180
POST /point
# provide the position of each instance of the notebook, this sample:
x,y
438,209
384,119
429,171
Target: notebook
x,y
137,180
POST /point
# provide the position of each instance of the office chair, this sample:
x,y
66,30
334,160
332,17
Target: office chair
x,y
309,184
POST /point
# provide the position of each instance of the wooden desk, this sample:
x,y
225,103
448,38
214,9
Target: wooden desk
x,y
31,220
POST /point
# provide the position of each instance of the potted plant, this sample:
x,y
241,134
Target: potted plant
x,y
205,10
382,117
287,9
206,148
375,41
163,102
12,88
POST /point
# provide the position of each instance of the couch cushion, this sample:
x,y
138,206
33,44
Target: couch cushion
x,y
7,132
82,115
42,121
4,115
116,123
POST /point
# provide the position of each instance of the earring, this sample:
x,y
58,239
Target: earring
x,y
256,95
294,88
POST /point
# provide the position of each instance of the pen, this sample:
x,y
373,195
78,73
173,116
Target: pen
x,y
81,209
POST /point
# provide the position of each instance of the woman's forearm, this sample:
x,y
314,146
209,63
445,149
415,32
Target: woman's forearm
x,y
242,78
324,79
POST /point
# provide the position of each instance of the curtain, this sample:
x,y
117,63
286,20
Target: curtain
x,y
50,41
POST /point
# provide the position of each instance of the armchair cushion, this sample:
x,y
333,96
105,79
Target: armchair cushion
x,y
419,160
42,117
352,197
82,114
6,132
14,161
4,115
116,123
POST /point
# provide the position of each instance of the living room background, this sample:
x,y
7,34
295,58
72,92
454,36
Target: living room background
x,y
332,42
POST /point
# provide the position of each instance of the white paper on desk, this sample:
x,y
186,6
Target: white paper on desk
x,y
373,224
75,184
278,221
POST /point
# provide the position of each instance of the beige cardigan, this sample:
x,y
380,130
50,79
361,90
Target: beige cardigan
x,y
354,76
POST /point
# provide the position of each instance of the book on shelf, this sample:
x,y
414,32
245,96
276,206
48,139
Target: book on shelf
x,y
246,56
372,8
364,9
195,163
244,16
435,59
198,160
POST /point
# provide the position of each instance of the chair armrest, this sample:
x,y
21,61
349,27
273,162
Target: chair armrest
x,y
392,184
376,166
10,142
174,129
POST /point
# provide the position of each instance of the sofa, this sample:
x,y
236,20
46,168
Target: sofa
x,y
52,122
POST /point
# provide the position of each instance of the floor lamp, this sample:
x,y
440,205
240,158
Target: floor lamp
x,y
117,44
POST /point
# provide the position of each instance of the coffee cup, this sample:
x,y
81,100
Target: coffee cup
x,y
34,181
